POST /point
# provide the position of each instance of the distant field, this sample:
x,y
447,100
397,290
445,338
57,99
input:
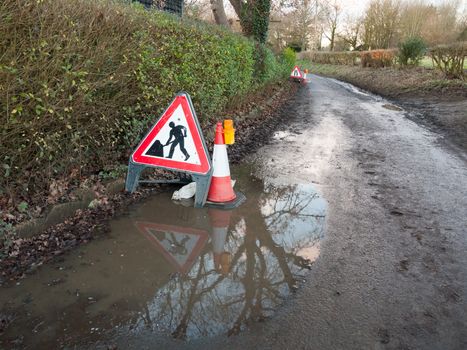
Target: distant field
x,y
426,62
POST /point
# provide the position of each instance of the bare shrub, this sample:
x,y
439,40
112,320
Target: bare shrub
x,y
450,59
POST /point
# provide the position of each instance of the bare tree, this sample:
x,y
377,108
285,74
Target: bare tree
x,y
351,32
381,24
303,21
332,12
413,17
462,27
441,23
198,9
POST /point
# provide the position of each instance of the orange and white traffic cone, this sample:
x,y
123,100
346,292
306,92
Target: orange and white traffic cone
x,y
220,221
221,189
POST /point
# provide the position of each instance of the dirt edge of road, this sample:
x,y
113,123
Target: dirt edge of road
x,y
36,241
437,103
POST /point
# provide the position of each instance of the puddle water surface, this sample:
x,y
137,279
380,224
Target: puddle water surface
x,y
181,272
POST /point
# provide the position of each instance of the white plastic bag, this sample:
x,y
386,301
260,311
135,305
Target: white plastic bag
x,y
188,191
185,192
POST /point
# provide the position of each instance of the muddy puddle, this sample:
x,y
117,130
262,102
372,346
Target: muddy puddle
x,y
174,270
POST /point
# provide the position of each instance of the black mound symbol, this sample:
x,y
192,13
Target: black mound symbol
x,y
156,149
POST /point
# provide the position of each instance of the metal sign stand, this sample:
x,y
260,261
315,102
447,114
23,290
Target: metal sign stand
x,y
203,181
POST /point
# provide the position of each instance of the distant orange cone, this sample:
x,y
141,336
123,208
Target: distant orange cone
x,y
220,220
221,185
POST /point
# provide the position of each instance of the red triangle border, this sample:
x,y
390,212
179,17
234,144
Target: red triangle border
x,y
140,158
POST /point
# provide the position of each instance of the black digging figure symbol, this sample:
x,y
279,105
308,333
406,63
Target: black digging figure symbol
x,y
177,247
178,133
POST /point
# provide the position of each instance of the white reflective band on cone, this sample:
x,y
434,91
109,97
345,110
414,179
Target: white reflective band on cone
x,y
220,161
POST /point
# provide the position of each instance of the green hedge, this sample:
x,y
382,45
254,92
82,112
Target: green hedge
x,y
81,80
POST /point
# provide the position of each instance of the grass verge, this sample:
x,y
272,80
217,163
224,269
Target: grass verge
x,y
394,82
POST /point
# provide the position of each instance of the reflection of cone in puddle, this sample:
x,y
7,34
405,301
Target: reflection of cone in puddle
x,y
221,185
224,262
220,220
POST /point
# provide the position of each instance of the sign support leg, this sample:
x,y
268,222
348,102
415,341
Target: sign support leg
x,y
202,188
132,178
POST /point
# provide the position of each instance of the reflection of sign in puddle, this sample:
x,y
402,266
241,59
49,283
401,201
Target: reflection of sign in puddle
x,y
179,245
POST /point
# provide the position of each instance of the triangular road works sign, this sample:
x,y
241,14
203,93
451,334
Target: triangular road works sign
x,y
296,73
175,142
179,245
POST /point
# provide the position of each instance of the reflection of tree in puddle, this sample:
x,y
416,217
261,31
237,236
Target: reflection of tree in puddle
x,y
295,217
264,256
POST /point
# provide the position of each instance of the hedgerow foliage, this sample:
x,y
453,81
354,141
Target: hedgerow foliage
x,y
373,58
447,58
289,57
81,80
378,58
342,57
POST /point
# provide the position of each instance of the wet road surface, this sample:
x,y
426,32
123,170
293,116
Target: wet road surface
x,y
354,236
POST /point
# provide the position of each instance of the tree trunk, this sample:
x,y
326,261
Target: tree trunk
x,y
217,7
332,39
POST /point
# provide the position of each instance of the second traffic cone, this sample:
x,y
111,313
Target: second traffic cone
x,y
221,185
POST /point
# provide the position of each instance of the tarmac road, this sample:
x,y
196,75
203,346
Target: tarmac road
x,y
392,272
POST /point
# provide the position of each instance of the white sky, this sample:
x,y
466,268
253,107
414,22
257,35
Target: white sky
x,y
354,7
357,7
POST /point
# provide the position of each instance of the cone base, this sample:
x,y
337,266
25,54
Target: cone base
x,y
239,200
221,190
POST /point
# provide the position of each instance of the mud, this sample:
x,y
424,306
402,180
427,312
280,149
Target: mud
x,y
180,272
443,115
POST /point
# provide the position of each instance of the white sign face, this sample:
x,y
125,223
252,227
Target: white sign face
x,y
174,141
